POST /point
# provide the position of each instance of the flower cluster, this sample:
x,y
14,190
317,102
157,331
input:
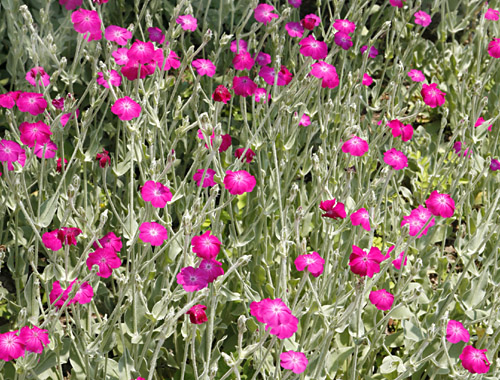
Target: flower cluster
x,y
15,344
276,316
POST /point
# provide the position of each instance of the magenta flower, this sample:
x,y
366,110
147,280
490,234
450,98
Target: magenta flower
x,y
400,129
416,75
243,61
372,53
221,94
295,3
212,269
153,233
495,165
239,182
492,14
367,80
355,146
480,122
59,164
172,61
422,18
323,70
110,240
474,360
343,40
71,4
397,3
294,29
133,69
197,314
106,259
126,109
382,299
330,82
269,75
204,67
399,261
263,13
310,21
396,159
187,22
310,47
35,339
114,79
305,120
121,56
31,102
263,59
103,158
313,262
208,177
84,294
417,220
43,77
456,332
11,346
239,47
494,48
344,26
244,86
67,116
192,279
34,132
206,246
11,151
361,217
117,34
363,263
156,193
294,361
249,155
9,99
277,317
433,97
440,204
156,35
85,21
333,209
261,95
49,148
141,52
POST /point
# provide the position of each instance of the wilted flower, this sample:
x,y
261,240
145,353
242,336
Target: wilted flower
x,y
221,94
480,121
59,164
400,129
397,3
263,59
110,240
343,40
310,21
103,158
495,165
372,53
197,314
114,79
71,4
156,35
249,155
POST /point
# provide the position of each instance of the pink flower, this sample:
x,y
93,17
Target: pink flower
x,y
480,122
417,220
172,61
208,177
134,68
396,159
221,94
313,262
106,259
187,22
110,240
156,193
11,151
49,148
192,279
204,67
156,35
310,21
397,3
382,299
323,70
495,165
244,86
361,217
294,29
212,269
206,246
34,132
141,52
355,146
269,75
243,61
58,103
474,360
85,21
367,80
43,77
343,40
126,109
11,346
433,97
67,116
249,155
239,182
295,3
372,53
440,204
363,263
456,332
344,26
153,233
31,102
114,79
84,294
9,99
35,339
117,34
276,315
263,59
399,129
239,47
294,361
416,75
399,261
261,95
71,4
310,47
333,209
263,13
330,82
121,56
197,314
422,18
305,120
225,144
492,14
